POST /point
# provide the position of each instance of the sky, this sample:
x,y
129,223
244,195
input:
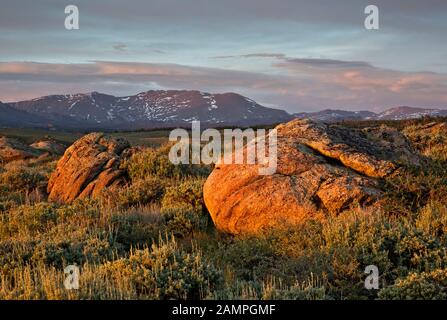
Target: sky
x,y
290,54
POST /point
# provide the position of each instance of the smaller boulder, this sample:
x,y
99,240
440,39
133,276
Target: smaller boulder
x,y
12,149
87,168
50,146
429,139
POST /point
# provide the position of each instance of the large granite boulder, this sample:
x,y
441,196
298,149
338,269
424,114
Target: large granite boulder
x,y
322,170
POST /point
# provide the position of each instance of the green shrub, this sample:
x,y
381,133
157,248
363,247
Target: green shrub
x,y
187,195
422,286
419,252
165,271
6,205
184,209
14,254
73,250
135,229
32,220
432,219
155,162
183,222
415,187
22,178
272,289
140,192
80,211
431,144
248,259
28,220
307,290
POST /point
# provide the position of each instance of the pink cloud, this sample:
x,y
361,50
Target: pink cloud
x,y
295,84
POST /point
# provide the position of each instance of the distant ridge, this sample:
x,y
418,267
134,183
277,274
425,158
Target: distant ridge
x,y
171,108
12,117
397,113
155,108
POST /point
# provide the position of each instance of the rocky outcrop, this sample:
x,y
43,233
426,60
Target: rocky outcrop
x,y
391,141
49,146
13,149
87,168
322,170
427,135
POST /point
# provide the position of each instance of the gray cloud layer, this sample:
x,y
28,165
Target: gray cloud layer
x,y
297,54
301,84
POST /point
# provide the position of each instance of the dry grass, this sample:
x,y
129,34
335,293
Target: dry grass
x,y
125,247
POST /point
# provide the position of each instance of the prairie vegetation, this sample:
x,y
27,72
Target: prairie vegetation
x,y
155,239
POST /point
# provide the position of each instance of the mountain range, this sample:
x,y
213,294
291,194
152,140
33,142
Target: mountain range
x,y
397,113
171,108
12,117
151,109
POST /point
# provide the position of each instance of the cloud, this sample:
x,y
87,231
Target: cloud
x,y
295,84
48,12
132,76
254,55
323,63
189,32
120,47
311,62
